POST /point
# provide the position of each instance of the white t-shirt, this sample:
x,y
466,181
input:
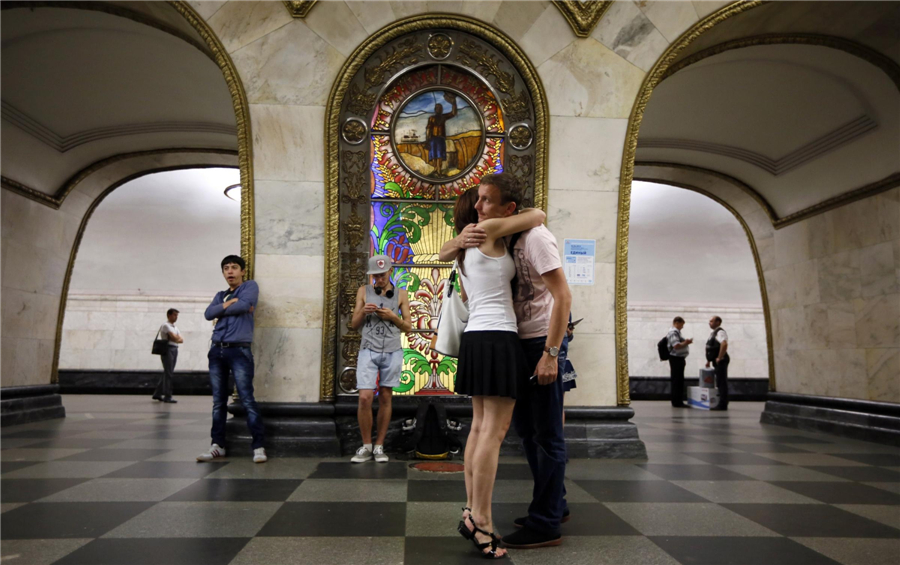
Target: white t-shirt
x,y
720,334
169,329
535,254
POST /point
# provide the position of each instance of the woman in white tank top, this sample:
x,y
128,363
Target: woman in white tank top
x,y
491,360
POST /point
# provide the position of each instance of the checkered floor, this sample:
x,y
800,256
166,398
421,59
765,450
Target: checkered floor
x,y
116,482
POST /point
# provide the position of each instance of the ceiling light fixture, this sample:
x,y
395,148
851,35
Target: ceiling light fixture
x,y
234,192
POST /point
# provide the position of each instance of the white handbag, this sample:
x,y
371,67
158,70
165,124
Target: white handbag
x,y
452,321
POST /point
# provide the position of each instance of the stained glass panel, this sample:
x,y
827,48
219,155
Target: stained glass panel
x,y
390,179
410,232
479,93
402,89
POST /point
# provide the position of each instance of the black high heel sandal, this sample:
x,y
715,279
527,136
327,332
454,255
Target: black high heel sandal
x,y
494,544
462,529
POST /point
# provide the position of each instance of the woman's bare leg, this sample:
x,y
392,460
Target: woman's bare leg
x,y
471,445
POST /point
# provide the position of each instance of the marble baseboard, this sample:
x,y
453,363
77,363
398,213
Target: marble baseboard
x,y
859,419
27,404
316,429
96,381
660,388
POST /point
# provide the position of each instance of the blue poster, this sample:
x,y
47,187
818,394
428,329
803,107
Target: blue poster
x,y
579,260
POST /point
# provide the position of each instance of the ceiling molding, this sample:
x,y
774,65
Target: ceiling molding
x,y
114,10
583,16
55,201
886,64
65,143
299,8
804,154
871,189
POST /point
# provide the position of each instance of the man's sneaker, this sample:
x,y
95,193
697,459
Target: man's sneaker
x,y
362,455
215,451
520,522
259,455
380,455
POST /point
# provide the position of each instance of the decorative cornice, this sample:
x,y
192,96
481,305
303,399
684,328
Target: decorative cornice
x,y
55,200
886,64
299,8
65,143
807,153
583,16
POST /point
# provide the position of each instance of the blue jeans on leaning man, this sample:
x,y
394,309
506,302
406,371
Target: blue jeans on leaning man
x,y
537,418
239,362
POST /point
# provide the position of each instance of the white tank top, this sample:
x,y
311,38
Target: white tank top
x,y
487,285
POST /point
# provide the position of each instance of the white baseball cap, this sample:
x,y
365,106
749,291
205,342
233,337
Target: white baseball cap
x,y
379,264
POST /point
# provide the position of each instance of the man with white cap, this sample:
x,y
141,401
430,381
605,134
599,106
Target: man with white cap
x,y
380,352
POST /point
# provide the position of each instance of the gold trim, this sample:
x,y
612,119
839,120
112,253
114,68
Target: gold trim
x,y
299,8
867,54
56,200
652,79
582,16
759,269
339,91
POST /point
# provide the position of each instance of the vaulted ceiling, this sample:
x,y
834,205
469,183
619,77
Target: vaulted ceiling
x,y
799,117
82,85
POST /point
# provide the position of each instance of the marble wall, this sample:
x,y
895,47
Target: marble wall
x,y
117,332
746,328
288,66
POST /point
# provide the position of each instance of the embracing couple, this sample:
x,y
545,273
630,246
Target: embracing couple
x,y
519,303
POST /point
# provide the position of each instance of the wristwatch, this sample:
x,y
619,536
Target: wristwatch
x,y
553,351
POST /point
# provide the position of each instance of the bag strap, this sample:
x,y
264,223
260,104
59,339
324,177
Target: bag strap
x,y
157,334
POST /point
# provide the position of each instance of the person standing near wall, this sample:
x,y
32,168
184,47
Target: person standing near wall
x,y
230,353
717,354
169,332
380,352
678,352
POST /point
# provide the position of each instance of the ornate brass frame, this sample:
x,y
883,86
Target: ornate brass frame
x,y
652,79
340,90
299,8
760,275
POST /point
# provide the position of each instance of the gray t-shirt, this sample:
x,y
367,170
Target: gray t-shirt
x,y
380,335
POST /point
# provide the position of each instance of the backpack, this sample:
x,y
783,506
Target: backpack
x,y
663,348
433,434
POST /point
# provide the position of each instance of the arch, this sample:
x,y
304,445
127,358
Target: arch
x,y
659,178
340,90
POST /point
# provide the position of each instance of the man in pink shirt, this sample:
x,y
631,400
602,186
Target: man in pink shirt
x,y
542,302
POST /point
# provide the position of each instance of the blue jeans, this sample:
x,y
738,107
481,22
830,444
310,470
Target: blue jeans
x,y
239,362
537,418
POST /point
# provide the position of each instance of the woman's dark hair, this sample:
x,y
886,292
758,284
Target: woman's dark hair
x,y
464,214
237,260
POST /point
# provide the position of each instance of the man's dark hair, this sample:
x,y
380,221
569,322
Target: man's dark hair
x,y
718,319
508,186
236,259
171,311
678,319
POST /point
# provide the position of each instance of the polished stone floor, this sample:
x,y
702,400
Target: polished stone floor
x,y
116,483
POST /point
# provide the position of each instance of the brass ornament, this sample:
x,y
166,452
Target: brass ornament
x,y
583,16
361,102
520,137
355,229
439,46
404,54
517,107
354,131
299,8
472,55
347,380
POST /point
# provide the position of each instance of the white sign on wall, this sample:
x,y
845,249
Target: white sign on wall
x,y
579,260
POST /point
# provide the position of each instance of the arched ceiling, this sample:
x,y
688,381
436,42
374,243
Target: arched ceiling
x,y
798,123
81,85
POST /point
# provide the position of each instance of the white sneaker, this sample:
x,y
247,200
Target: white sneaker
x,y
362,455
215,451
259,455
380,455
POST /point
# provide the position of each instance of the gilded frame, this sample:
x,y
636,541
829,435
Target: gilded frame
x,y
339,90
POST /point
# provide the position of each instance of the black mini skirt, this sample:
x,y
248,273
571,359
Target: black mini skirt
x,y
491,363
